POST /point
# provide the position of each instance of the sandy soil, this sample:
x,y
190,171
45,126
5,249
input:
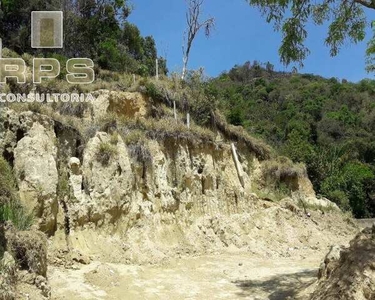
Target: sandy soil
x,y
225,276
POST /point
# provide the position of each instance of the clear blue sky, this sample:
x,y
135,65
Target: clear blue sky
x,y
241,34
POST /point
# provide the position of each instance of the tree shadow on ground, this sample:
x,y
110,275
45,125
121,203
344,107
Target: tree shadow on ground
x,y
278,287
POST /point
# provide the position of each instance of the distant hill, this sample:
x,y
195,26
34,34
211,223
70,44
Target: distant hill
x,y
326,124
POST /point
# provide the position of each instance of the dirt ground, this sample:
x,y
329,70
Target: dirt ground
x,y
225,276
275,255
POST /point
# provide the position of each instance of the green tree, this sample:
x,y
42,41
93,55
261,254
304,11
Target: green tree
x,y
131,36
347,22
297,147
354,181
236,116
93,28
326,124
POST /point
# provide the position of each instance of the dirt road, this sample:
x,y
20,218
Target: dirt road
x,y
209,277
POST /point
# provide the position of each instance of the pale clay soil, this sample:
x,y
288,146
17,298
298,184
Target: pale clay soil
x,y
222,276
281,263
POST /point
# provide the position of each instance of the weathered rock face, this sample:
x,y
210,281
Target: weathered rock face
x,y
128,104
178,179
168,180
30,146
29,249
124,104
23,263
7,277
101,193
153,194
330,262
304,185
35,169
349,275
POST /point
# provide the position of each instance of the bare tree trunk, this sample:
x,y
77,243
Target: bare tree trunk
x,y
193,27
184,68
174,110
188,120
237,164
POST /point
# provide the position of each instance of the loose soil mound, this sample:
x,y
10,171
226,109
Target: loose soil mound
x,y
352,277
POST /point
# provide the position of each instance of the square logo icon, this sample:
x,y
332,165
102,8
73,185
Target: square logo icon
x,y
46,29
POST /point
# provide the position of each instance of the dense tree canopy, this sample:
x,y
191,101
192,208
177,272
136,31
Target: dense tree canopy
x,y
93,28
346,19
326,124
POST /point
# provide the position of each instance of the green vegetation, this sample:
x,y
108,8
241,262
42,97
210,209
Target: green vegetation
x,y
197,96
279,178
282,168
347,20
323,123
326,124
10,207
17,214
8,188
105,153
95,29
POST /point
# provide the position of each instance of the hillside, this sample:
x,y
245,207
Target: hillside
x,y
124,180
324,123
121,179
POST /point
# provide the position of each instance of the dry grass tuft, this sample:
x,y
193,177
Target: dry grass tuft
x,y
279,178
105,152
29,248
281,168
238,134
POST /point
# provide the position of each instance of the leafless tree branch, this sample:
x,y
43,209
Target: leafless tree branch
x,y
193,27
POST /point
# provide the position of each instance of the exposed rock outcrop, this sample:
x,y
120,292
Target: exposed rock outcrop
x,y
349,274
29,249
36,171
29,144
158,196
23,266
124,104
